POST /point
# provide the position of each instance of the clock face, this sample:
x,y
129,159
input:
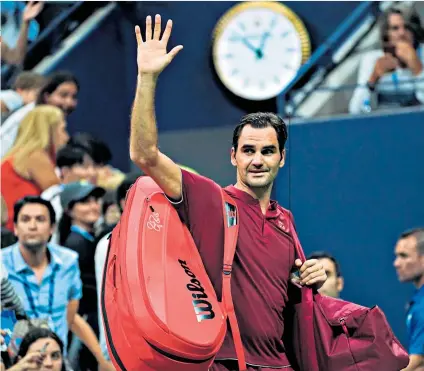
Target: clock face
x,y
258,50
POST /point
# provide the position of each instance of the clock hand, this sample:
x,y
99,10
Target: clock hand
x,y
246,42
259,51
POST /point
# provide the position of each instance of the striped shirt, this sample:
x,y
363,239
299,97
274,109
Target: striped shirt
x,y
9,299
49,298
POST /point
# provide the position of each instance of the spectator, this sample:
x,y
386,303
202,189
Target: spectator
x,y
9,299
28,168
61,91
7,236
334,284
47,272
81,202
108,177
16,55
74,164
409,265
111,210
41,349
102,248
25,90
397,66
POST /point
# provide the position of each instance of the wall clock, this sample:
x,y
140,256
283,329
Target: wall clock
x,y
258,48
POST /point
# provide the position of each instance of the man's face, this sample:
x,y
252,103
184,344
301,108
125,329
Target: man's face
x,y
64,97
333,285
409,264
397,30
33,227
85,171
258,157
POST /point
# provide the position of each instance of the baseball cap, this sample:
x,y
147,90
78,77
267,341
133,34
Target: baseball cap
x,y
77,191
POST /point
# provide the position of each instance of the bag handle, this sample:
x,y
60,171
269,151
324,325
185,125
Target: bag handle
x,y
307,292
231,227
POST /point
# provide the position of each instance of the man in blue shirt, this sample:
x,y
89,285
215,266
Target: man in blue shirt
x,y
46,276
409,264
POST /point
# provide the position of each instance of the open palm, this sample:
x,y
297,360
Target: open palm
x,y
32,10
151,53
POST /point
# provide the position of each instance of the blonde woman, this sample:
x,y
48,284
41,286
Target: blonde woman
x,y
29,167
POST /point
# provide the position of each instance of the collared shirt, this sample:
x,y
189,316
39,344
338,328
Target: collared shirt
x,y
60,284
415,323
261,270
400,88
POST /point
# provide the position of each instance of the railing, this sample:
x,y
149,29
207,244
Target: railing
x,y
319,57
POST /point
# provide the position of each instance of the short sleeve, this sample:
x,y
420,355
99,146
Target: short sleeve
x,y
416,340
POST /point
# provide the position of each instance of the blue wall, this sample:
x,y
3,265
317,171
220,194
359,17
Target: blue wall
x,y
189,94
354,185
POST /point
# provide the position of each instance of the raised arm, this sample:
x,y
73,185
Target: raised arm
x,y
152,58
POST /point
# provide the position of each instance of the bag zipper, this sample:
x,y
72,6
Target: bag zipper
x,y
342,321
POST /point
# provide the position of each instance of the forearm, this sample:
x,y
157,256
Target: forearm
x,y
21,46
144,136
416,363
85,333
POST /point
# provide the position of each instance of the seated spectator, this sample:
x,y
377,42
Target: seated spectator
x,y
102,248
334,284
111,210
25,90
36,267
16,55
28,168
60,90
108,177
394,75
81,203
74,164
41,349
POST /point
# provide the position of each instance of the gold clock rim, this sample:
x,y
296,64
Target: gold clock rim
x,y
273,5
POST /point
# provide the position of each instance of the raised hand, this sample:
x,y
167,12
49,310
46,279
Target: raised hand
x,y
152,57
32,10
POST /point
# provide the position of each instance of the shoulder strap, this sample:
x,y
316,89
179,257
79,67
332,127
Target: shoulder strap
x,y
231,227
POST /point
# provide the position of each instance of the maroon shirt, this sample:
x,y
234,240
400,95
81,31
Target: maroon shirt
x,y
262,264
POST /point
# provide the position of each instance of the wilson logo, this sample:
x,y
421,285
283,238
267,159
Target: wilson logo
x,y
202,307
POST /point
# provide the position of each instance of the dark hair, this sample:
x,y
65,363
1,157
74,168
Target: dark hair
x,y
35,334
64,227
28,80
412,23
326,255
97,149
108,199
69,156
260,120
121,191
418,233
33,200
56,79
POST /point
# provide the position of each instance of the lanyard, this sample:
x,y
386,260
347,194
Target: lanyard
x,y
28,293
82,232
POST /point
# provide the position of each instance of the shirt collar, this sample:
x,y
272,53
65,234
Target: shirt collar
x,y
419,294
82,232
273,209
20,265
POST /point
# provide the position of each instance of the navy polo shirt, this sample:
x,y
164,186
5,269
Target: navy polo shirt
x,y
415,323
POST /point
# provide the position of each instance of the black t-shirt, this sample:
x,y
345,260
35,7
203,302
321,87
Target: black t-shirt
x,y
86,249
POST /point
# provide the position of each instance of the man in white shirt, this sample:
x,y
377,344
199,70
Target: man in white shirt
x,y
74,164
24,90
392,76
61,91
101,252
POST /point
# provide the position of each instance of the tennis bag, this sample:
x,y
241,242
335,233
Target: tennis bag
x,y
160,311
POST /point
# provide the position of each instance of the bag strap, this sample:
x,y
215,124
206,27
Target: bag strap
x,y
231,227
